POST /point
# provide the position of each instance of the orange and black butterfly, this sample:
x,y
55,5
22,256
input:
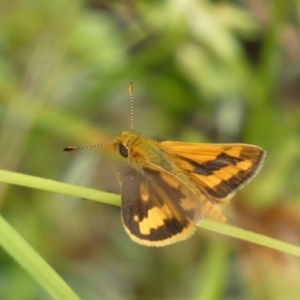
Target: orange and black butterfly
x,y
171,186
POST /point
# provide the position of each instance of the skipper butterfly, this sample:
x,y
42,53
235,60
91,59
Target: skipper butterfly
x,y
171,186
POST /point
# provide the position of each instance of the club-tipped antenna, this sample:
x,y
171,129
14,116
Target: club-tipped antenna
x,y
72,148
130,87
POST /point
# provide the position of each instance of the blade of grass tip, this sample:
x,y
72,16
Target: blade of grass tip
x,y
249,236
34,264
58,187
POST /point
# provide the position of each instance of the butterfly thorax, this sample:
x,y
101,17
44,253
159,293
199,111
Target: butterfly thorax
x,y
139,150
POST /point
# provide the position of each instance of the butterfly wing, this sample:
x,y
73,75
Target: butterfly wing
x,y
160,208
218,169
157,207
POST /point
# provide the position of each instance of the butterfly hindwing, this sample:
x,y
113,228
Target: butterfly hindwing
x,y
158,208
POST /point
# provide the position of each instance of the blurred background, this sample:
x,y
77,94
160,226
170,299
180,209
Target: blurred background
x,y
203,71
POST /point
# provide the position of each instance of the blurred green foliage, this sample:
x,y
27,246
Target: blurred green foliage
x,y
204,71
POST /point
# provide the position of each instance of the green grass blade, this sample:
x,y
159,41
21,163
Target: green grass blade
x,y
108,198
249,236
213,268
33,263
58,187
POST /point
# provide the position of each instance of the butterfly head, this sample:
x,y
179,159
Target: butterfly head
x,y
125,141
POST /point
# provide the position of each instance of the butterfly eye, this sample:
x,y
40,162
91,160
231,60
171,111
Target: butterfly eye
x,y
123,150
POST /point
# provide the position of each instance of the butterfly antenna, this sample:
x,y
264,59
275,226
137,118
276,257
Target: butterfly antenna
x,y
131,104
72,148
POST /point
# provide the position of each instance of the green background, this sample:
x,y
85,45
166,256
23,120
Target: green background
x,y
203,71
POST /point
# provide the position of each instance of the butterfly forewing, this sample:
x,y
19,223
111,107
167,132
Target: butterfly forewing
x,y
158,208
218,169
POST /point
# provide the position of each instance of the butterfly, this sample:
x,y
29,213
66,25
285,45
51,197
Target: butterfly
x,y
171,186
